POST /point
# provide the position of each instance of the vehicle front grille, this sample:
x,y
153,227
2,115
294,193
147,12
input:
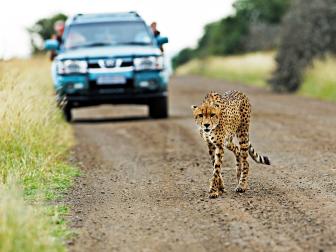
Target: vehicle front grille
x,y
110,63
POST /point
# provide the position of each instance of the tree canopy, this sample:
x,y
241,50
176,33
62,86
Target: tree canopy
x,y
230,35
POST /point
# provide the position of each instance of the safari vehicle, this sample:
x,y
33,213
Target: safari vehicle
x,y
109,59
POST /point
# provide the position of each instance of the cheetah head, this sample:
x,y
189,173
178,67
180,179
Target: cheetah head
x,y
206,116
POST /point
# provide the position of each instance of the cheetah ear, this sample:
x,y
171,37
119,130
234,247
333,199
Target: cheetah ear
x,y
193,107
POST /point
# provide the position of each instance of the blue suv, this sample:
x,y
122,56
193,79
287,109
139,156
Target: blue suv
x,y
109,58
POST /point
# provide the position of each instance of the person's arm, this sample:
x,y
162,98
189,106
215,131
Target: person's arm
x,y
53,53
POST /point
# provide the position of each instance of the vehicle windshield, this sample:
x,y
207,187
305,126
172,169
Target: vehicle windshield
x,y
107,33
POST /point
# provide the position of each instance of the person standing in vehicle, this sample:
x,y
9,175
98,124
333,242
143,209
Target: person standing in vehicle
x,y
59,30
156,32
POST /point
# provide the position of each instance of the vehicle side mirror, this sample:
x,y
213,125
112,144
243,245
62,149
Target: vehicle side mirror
x,y
161,40
51,44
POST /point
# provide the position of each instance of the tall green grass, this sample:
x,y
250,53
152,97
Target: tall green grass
x,y
34,145
255,68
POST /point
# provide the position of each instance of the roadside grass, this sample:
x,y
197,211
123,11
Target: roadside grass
x,y
34,146
255,68
250,69
320,79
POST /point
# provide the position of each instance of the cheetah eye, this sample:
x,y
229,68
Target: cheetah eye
x,y
200,115
212,114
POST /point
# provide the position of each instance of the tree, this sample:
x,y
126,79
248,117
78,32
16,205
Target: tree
x,y
268,11
309,31
238,33
182,57
223,37
43,29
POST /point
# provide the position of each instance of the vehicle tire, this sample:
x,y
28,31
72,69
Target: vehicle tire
x,y
67,113
158,108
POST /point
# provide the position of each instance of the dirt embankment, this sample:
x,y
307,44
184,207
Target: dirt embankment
x,y
144,184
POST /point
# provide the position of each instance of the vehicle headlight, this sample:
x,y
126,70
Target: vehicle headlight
x,y
149,63
71,67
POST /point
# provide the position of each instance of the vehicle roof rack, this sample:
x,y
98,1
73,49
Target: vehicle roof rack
x,y
95,16
135,13
77,15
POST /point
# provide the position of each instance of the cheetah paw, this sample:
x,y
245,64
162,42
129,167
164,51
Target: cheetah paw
x,y
213,195
221,191
240,189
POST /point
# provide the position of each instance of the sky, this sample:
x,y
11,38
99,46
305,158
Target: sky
x,y
182,21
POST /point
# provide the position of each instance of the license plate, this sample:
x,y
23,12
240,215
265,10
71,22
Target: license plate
x,y
110,80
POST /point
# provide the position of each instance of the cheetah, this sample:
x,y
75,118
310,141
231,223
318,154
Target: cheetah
x,y
221,118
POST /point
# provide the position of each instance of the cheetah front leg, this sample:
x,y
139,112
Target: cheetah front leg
x,y
216,182
212,149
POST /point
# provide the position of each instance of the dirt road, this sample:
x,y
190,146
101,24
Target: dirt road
x,y
144,183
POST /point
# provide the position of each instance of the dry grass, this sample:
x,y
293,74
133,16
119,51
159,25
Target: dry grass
x,y
253,68
256,68
24,227
33,149
320,79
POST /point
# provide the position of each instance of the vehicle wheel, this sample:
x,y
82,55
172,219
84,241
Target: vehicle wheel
x,y
158,108
67,113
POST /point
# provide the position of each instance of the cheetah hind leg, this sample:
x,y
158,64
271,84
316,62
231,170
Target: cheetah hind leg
x,y
244,145
235,149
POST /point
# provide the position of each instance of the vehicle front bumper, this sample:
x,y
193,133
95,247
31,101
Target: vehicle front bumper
x,y
94,99
140,88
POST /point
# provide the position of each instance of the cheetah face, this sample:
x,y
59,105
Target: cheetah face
x,y
206,116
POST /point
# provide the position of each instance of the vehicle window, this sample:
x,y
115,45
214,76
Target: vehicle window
x,y
107,33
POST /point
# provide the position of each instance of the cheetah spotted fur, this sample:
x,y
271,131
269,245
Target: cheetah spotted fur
x,y
221,118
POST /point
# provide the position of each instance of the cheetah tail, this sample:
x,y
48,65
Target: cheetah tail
x,y
258,158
